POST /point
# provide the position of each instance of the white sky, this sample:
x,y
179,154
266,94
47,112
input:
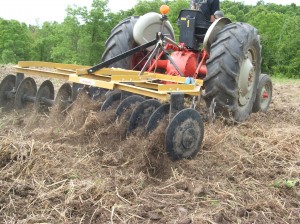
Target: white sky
x,y
38,11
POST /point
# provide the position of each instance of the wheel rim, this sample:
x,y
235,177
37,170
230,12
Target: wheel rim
x,y
265,95
247,77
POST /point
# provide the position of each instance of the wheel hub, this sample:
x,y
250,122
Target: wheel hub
x,y
265,95
188,138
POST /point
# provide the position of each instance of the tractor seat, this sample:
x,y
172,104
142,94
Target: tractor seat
x,y
200,33
193,27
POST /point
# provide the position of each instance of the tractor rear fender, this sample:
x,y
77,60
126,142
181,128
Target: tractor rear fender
x,y
212,32
148,25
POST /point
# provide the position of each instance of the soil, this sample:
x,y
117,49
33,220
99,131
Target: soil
x,y
82,168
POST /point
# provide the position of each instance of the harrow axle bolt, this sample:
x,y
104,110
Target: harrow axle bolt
x,y
47,101
10,94
188,138
28,98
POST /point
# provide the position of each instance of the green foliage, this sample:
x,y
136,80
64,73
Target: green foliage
x,y
279,27
45,39
81,37
15,42
235,10
8,56
176,7
144,6
289,184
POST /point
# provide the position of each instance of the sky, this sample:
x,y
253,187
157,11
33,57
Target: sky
x,y
38,11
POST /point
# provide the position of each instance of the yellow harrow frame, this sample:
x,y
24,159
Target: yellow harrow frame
x,y
154,85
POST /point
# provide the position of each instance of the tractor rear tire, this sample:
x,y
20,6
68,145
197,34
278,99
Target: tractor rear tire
x,y
121,40
233,71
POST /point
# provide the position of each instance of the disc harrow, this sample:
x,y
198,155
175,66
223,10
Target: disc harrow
x,y
149,98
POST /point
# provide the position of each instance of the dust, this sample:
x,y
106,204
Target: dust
x,y
83,167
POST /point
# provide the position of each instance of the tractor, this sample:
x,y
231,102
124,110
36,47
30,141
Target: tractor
x,y
144,67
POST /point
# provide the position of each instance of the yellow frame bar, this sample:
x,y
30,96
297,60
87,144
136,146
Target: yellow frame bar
x,y
50,65
114,78
178,88
38,72
91,82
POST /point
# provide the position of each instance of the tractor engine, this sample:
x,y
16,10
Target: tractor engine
x,y
186,61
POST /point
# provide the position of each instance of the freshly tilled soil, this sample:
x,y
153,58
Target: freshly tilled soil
x,y
82,168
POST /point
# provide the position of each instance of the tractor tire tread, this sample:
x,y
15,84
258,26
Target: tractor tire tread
x,y
223,69
120,40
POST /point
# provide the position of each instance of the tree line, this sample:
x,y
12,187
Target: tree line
x,y
80,38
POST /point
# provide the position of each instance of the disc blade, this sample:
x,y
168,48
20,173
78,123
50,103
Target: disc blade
x,y
127,103
111,100
7,92
44,97
63,98
25,93
156,117
96,93
184,135
142,113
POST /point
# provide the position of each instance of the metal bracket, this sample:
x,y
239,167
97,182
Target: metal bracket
x,y
107,63
176,104
19,79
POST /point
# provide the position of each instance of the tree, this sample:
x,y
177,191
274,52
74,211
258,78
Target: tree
x,y
68,34
8,56
81,37
15,42
279,37
45,39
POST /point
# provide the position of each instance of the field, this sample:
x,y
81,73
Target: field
x,y
82,169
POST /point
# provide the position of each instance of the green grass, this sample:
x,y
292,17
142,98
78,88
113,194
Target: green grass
x,y
281,80
288,183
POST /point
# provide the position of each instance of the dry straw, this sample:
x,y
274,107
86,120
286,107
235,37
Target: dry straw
x,y
79,170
